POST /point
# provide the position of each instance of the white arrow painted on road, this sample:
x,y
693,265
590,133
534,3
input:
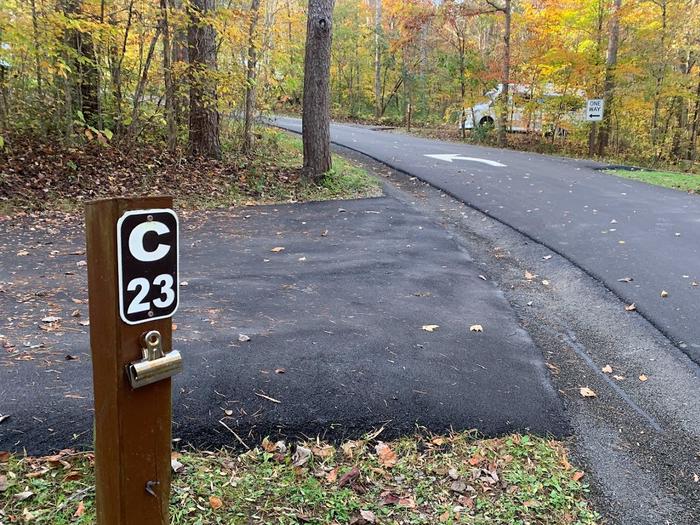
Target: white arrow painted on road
x,y
450,157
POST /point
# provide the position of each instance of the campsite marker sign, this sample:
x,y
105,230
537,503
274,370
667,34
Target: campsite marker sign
x,y
132,255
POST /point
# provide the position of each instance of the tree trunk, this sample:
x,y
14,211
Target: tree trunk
x,y
141,86
462,89
4,109
84,64
250,79
37,50
505,78
378,58
116,58
593,132
316,110
693,146
660,76
168,78
204,114
610,65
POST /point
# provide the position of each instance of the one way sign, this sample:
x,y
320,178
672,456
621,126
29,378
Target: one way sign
x,y
594,109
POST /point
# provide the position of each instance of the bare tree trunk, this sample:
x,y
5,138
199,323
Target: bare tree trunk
x,y
660,76
593,132
505,78
141,86
377,58
116,60
250,79
610,65
316,110
693,146
4,109
84,64
204,114
168,78
35,28
462,90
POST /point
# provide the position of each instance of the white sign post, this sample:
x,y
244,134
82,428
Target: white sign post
x,y
594,109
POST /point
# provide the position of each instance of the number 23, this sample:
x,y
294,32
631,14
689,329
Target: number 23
x,y
164,281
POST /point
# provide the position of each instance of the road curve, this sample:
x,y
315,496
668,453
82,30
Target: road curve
x,y
611,227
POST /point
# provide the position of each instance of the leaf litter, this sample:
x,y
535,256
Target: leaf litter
x,y
421,479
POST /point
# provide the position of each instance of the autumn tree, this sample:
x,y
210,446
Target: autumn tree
x,y
610,67
505,7
316,104
204,113
250,85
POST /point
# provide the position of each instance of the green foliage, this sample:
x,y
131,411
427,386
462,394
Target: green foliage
x,y
680,181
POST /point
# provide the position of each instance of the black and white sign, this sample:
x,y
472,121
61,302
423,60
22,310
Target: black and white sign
x,y
147,258
594,109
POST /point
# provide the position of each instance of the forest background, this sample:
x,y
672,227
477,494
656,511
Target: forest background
x,y
193,76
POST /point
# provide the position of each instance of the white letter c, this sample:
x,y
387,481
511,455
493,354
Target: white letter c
x,y
136,241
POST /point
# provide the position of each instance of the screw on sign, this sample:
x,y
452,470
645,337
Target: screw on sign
x,y
147,254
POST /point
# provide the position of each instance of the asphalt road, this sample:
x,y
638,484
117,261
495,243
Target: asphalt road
x,y
334,321
610,227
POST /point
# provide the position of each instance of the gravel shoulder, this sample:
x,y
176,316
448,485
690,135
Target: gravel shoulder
x,y
638,439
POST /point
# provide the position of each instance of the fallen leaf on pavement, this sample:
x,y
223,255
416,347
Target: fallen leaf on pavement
x,y
476,328
664,293
630,307
529,276
586,392
430,327
277,249
545,282
618,378
643,378
607,369
243,338
50,319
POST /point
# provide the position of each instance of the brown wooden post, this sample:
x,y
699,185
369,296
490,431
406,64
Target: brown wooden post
x,y
132,426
